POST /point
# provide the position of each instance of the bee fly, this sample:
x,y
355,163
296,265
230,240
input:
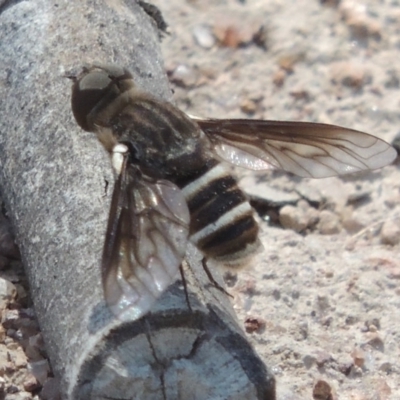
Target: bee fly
x,y
173,184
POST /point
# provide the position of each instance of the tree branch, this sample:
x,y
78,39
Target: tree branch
x,y
52,178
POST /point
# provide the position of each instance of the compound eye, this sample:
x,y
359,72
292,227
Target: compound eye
x,y
96,87
115,72
94,80
88,91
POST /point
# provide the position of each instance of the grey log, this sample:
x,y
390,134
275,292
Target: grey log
x,y
52,178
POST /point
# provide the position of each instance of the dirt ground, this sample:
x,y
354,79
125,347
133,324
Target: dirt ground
x,y
323,299
321,303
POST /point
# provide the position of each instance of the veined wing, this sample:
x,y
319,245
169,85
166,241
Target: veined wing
x,y
145,242
302,148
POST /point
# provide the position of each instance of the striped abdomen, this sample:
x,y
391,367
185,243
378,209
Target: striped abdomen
x,y
222,222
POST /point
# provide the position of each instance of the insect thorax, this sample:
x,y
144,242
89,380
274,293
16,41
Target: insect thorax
x,y
162,140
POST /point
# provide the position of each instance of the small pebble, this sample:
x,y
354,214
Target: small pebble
x,y
248,106
308,361
322,391
287,61
8,292
360,24
322,358
18,357
300,331
349,74
300,94
350,221
254,324
203,36
35,348
323,303
279,77
390,232
373,324
358,357
386,367
290,217
233,31
344,364
375,341
30,383
2,334
184,76
329,223
40,370
10,318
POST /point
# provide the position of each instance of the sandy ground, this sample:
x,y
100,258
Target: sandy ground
x,y
324,296
322,302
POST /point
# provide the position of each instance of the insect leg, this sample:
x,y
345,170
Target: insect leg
x,y
211,278
184,283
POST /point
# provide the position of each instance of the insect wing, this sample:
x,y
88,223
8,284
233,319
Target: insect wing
x,y
302,148
145,242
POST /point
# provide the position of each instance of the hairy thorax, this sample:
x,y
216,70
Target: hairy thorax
x,y
165,142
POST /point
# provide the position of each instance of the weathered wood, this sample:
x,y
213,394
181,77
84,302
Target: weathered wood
x,y
52,178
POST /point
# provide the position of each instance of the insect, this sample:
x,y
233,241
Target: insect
x,y
173,184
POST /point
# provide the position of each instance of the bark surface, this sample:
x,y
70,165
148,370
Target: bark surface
x,y
53,181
